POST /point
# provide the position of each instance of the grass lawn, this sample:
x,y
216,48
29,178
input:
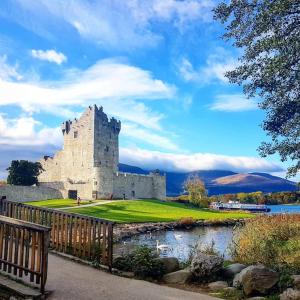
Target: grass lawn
x,y
58,203
131,211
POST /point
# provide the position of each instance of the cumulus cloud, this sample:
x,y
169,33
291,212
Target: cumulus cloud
x,y
214,69
49,55
111,83
23,131
176,162
233,103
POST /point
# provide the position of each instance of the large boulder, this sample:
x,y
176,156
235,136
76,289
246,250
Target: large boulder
x,y
217,285
205,266
296,281
181,276
290,294
171,264
233,269
256,280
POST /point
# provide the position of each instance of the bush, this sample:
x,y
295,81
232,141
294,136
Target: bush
x,y
271,240
187,221
143,262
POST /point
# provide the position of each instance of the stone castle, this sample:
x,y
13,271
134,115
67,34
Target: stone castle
x,y
87,166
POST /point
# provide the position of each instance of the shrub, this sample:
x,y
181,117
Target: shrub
x,y
271,240
143,262
187,221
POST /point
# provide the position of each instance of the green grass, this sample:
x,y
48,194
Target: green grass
x,y
57,203
133,211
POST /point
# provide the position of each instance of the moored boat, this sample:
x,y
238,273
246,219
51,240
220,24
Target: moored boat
x,y
235,205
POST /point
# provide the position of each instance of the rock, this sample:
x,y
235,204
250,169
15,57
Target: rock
x,y
256,298
256,279
296,281
205,266
230,289
290,294
171,264
181,276
231,270
217,285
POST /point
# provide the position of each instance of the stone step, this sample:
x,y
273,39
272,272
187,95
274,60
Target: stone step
x,y
19,289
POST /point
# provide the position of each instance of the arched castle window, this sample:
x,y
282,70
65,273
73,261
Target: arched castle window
x,y
106,148
75,134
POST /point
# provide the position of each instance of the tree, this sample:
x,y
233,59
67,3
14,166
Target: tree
x,y
268,32
196,191
23,172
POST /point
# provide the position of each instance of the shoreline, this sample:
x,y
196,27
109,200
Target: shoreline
x,y
124,231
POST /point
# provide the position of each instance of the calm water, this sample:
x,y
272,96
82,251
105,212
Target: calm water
x,y
278,209
182,241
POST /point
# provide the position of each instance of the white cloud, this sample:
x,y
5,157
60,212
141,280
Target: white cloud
x,y
123,25
196,161
138,133
113,84
23,131
49,55
8,72
183,12
233,103
214,69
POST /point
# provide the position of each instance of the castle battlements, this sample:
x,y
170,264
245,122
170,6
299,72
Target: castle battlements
x,y
99,116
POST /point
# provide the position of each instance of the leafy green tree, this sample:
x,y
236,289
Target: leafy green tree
x,y
196,191
23,172
268,33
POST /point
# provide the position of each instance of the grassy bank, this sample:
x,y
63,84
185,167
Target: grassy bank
x,y
152,211
133,211
58,203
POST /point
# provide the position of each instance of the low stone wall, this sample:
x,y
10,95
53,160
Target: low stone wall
x,y
28,193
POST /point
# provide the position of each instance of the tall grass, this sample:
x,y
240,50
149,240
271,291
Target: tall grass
x,y
271,240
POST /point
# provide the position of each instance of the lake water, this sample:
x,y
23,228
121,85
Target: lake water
x,y
278,209
181,242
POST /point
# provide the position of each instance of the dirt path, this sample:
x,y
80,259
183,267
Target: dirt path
x,y
71,280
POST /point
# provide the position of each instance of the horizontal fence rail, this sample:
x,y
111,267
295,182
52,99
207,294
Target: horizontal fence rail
x,y
24,250
81,236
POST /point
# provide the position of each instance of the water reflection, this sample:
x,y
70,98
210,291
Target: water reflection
x,y
180,242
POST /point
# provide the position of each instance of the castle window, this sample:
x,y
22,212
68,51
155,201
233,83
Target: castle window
x,y
95,183
75,134
106,148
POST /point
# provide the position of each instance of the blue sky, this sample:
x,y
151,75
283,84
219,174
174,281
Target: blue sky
x,y
158,66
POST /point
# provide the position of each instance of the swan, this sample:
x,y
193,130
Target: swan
x,y
163,247
177,236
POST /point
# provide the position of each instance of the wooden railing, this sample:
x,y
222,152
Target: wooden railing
x,y
81,236
24,250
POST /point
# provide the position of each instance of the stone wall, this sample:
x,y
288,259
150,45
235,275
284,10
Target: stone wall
x,y
139,186
29,193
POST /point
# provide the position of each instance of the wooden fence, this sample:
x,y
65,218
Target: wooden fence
x,y
81,236
24,250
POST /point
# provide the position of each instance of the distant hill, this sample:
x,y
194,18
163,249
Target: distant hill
x,y
222,181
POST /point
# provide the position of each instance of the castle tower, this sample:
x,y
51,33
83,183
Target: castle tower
x,y
105,153
87,166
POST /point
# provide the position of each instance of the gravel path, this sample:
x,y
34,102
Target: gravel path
x,y
71,280
89,205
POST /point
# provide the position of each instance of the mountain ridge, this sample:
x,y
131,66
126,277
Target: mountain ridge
x,y
222,181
